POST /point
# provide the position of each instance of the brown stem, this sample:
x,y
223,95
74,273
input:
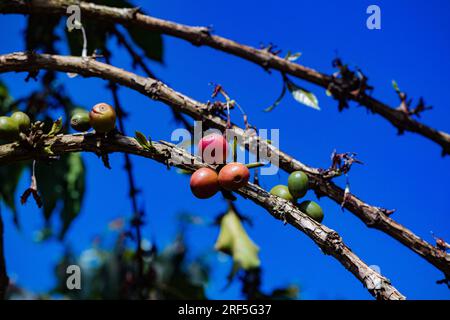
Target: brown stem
x,y
201,36
372,216
168,154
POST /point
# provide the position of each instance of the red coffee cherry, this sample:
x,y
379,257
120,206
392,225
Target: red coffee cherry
x,y
213,149
233,176
204,183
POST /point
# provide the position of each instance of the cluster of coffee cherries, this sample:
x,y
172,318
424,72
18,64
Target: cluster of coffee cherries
x,y
102,118
296,189
206,182
12,126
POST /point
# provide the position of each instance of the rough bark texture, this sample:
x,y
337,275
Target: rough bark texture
x,y
201,36
372,216
166,153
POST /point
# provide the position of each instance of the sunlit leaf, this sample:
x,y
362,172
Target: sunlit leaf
x,y
56,127
292,56
303,96
234,241
395,86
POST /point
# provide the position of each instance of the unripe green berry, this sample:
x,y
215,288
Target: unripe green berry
x,y
80,120
312,209
103,118
22,119
282,191
9,129
298,184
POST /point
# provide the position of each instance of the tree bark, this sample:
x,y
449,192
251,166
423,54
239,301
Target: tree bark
x,y
168,154
372,216
202,36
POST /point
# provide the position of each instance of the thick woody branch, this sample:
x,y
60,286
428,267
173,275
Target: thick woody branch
x,y
372,216
166,153
202,36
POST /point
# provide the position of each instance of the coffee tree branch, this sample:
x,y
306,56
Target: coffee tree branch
x,y
166,153
373,217
202,36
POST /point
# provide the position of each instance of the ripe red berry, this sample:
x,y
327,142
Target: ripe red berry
x,y
233,176
204,183
213,149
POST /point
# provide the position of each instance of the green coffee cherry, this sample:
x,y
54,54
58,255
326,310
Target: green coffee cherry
x,y
312,209
298,184
22,119
103,118
282,191
80,120
9,129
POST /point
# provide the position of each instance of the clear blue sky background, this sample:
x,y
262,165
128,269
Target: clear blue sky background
x,y
406,173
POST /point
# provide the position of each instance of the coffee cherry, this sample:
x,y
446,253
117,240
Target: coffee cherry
x,y
9,129
213,149
282,191
204,183
233,176
312,209
22,119
80,120
298,184
102,118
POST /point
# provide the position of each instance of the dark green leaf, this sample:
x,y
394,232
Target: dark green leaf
x,y
75,187
40,32
149,41
10,177
62,182
277,102
96,34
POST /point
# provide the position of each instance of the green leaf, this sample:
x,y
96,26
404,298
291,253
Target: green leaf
x,y
292,56
142,140
303,96
74,192
5,99
10,176
56,127
395,86
62,185
234,240
149,41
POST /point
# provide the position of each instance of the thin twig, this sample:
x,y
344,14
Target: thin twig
x,y
372,216
263,57
166,153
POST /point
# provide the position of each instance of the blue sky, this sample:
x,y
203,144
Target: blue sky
x,y
406,172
